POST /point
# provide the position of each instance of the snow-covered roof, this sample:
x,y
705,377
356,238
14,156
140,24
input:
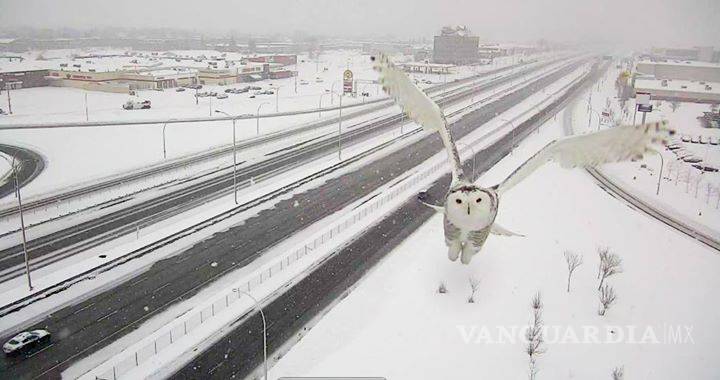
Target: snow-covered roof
x,y
677,85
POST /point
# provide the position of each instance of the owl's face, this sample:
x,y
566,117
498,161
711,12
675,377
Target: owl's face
x,y
471,207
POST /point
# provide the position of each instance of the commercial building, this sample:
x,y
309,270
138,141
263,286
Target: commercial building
x,y
23,79
700,53
123,81
683,70
689,81
426,68
455,46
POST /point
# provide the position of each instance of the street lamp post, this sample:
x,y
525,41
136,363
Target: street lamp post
x,y
163,138
662,163
258,117
320,104
332,91
13,167
234,155
262,314
340,128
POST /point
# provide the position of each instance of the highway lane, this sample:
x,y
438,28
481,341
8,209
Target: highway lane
x,y
55,246
226,150
92,324
31,164
239,353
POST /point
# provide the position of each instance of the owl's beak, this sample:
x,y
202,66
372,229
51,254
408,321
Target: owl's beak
x,y
468,208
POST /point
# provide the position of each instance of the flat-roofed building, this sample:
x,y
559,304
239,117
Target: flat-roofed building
x,y
455,46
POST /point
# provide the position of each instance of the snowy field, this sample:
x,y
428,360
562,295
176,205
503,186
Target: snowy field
x,y
395,324
684,190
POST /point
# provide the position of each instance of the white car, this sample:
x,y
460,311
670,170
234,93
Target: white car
x,y
25,340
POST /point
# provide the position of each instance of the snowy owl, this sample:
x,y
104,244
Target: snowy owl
x,y
470,210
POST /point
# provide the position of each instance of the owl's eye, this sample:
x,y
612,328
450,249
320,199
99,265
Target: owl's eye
x,y
479,200
458,201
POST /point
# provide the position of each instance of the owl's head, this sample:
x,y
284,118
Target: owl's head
x,y
471,207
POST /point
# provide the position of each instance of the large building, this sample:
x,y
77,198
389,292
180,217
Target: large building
x,y
687,81
683,70
455,46
701,53
122,81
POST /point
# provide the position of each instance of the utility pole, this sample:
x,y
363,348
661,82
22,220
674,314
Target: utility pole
x,y
340,131
22,219
7,88
234,154
87,118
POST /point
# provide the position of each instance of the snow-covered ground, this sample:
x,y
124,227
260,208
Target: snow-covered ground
x,y
684,190
396,325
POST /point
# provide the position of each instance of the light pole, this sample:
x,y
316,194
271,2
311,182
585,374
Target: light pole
x,y
590,118
257,306
473,157
277,98
258,117
512,148
234,154
163,135
662,163
340,128
332,91
320,105
22,218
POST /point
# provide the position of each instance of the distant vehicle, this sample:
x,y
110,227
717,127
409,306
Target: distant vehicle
x,y
705,168
252,96
692,159
695,140
265,92
366,94
713,141
708,87
180,89
685,139
663,83
136,105
2,112
222,96
229,90
212,93
674,147
703,140
25,340
304,82
253,88
202,94
195,86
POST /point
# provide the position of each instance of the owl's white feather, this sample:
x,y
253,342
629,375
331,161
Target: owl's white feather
x,y
628,142
418,107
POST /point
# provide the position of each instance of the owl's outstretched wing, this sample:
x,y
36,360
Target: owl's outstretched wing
x,y
418,107
628,142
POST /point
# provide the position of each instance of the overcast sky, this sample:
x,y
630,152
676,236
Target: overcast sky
x,y
634,22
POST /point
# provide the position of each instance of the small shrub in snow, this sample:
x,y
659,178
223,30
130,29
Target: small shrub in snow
x,y
534,336
442,289
607,299
610,264
573,260
474,284
618,373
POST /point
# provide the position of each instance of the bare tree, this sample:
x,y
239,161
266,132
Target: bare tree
x,y
607,299
442,289
573,260
610,264
474,284
618,373
534,335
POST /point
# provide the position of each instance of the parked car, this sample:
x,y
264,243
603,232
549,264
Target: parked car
x,y
25,340
674,147
212,93
180,89
229,90
705,168
202,94
136,105
303,82
254,88
713,141
685,139
695,140
222,96
692,159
